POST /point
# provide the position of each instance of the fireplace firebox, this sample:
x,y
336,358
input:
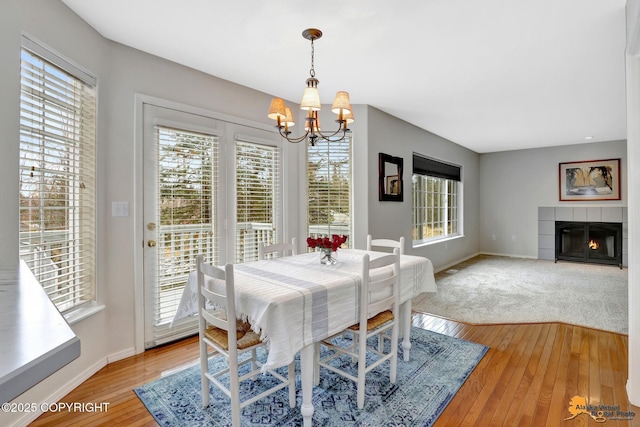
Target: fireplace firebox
x,y
594,242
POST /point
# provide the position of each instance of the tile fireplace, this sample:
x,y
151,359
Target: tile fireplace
x,y
594,242
613,251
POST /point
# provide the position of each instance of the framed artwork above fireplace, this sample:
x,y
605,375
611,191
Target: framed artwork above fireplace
x,y
589,180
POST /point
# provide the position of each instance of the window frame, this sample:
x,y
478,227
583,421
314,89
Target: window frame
x,y
314,230
265,234
58,141
441,180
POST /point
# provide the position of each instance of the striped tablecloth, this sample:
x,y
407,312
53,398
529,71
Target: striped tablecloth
x,y
295,301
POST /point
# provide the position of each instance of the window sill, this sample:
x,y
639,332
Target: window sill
x,y
81,313
436,241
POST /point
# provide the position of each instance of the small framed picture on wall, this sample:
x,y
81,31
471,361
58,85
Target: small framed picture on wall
x,y
389,178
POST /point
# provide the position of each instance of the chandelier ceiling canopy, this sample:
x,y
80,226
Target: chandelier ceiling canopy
x,y
311,103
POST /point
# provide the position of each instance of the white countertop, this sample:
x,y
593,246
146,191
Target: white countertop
x,y
36,339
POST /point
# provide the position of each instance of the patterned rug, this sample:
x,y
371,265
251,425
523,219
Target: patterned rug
x,y
425,385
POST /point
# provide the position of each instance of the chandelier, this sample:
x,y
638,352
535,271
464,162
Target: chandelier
x,y
311,103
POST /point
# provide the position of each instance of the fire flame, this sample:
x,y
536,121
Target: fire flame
x,y
593,244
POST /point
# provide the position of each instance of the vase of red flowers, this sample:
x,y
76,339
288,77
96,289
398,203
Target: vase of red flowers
x,y
327,245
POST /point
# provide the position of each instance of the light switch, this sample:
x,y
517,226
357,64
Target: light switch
x,y
119,208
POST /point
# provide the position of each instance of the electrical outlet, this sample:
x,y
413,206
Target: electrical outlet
x,y
493,237
513,238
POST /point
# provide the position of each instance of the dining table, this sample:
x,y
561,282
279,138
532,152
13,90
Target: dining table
x,y
296,301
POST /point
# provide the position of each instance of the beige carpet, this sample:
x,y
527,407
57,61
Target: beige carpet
x,y
491,289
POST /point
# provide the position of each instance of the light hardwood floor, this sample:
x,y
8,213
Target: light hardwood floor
x,y
527,378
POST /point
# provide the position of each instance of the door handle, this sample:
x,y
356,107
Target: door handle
x,y
151,243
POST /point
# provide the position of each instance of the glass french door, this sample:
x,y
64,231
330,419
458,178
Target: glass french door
x,y
210,187
180,204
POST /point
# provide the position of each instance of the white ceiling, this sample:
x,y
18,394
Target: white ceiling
x,y
491,75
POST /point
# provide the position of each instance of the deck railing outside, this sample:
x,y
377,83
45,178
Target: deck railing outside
x,y
178,246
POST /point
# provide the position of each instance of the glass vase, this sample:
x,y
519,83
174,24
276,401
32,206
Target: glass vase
x,y
327,257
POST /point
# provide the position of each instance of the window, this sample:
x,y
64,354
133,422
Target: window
x,y
435,189
257,197
57,176
187,169
329,166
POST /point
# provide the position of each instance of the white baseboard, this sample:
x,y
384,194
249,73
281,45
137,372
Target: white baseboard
x,y
447,266
69,386
65,389
123,354
62,391
509,255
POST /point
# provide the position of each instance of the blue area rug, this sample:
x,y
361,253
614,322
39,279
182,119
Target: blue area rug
x,y
425,385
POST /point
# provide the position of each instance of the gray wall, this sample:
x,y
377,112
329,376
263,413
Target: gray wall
x,y
513,184
9,116
398,138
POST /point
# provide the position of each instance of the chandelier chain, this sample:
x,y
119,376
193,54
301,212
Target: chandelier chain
x,y
312,71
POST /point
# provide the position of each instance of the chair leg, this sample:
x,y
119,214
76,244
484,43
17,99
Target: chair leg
x,y
362,366
254,357
394,348
204,368
354,345
235,391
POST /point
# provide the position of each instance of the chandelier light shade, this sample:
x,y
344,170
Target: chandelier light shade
x,y
277,109
311,98
341,106
288,122
349,118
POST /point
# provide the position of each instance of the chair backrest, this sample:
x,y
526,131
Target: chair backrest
x,y
216,289
277,249
385,243
380,285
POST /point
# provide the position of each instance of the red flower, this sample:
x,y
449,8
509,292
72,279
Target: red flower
x,y
333,243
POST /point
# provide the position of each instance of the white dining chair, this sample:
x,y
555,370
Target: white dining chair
x,y
385,243
277,249
220,331
378,314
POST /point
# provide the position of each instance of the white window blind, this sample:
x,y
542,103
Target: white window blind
x,y
257,197
329,169
187,181
58,176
